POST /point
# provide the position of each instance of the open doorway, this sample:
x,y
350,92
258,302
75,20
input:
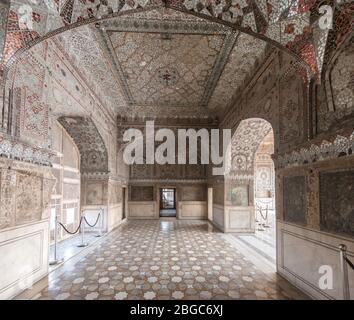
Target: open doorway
x,y
264,194
168,202
251,187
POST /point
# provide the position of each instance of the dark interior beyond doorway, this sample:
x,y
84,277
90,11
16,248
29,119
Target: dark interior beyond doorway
x,y
168,202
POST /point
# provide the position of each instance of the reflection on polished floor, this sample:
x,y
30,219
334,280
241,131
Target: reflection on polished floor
x,y
263,241
168,259
68,248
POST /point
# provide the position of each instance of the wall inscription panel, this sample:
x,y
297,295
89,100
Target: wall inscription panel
x,y
295,206
337,202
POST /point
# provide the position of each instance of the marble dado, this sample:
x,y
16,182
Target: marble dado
x,y
24,257
25,193
143,210
316,249
192,210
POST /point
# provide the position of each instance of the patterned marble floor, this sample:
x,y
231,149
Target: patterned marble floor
x,y
263,241
164,260
68,248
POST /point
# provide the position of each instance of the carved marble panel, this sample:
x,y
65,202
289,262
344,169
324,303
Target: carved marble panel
x,y
239,196
337,202
294,193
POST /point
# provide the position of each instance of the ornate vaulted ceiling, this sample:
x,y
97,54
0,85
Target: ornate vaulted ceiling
x,y
163,62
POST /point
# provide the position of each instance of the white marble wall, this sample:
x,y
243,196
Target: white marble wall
x,y
189,210
239,219
23,257
300,254
219,216
143,210
115,215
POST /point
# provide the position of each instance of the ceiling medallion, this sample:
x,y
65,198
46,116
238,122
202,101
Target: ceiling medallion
x,y
167,76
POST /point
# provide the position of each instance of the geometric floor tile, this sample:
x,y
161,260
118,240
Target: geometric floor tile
x,y
166,260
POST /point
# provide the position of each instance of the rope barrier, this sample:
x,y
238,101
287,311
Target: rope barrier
x,y
349,262
78,228
260,211
83,243
94,225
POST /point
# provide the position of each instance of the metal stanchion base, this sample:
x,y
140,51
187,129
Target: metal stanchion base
x,y
55,262
83,245
98,236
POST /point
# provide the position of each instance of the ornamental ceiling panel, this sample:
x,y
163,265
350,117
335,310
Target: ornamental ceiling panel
x,y
179,62
287,23
84,48
168,59
240,64
171,71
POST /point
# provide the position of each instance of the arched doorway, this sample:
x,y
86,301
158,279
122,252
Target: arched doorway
x,y
264,196
249,187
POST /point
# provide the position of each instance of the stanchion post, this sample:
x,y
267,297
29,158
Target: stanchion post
x,y
260,224
344,271
56,260
256,213
101,224
83,243
267,219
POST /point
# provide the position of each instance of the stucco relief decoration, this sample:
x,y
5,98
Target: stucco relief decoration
x,y
17,150
93,152
287,22
3,20
7,198
341,146
339,89
173,73
85,49
244,145
28,198
167,76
